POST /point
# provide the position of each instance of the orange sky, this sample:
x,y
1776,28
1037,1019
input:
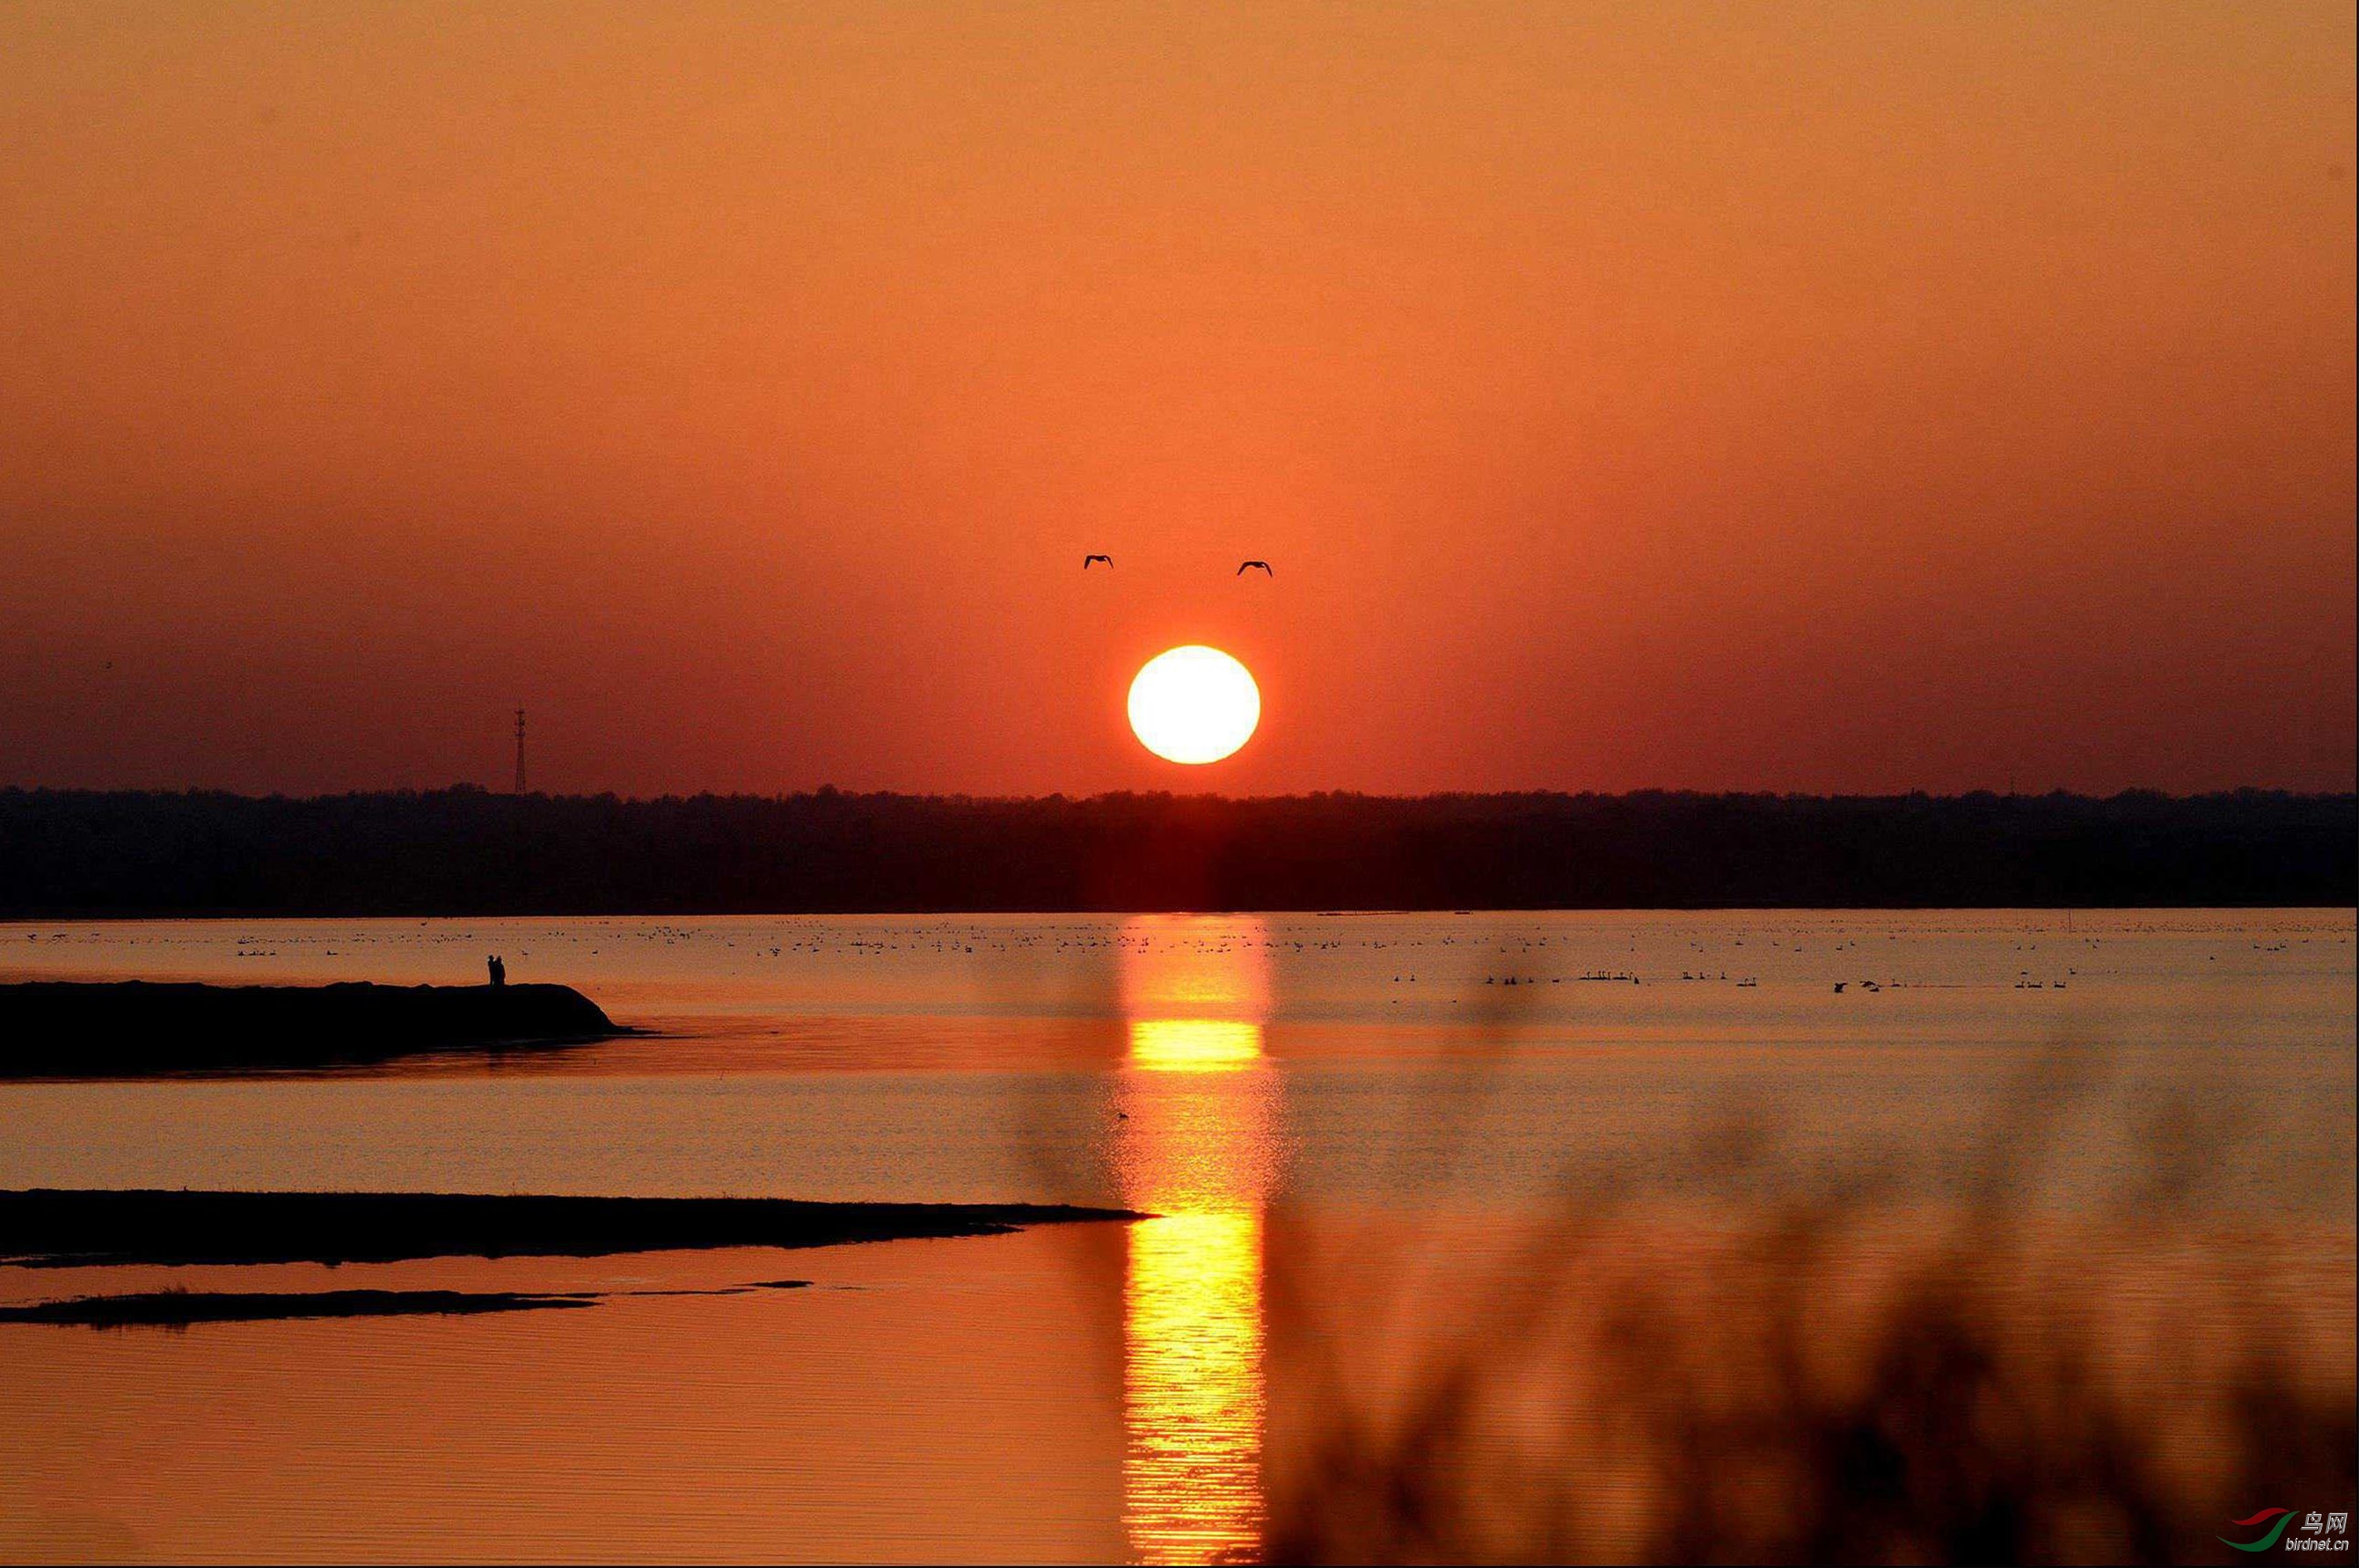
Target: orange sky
x,y
1849,397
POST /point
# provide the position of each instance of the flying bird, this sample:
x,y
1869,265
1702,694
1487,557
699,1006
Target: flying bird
x,y
1251,565
1088,561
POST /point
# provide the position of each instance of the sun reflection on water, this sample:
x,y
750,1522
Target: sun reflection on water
x,y
1193,1045
1192,1395
1200,1109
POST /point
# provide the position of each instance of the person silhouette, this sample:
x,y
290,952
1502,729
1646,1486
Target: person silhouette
x,y
499,970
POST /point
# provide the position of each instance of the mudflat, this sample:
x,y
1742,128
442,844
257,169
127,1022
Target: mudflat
x,y
57,1228
67,1029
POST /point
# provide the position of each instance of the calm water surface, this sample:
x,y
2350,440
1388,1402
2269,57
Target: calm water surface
x,y
1347,1128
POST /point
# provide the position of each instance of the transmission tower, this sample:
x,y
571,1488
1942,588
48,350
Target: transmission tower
x,y
519,782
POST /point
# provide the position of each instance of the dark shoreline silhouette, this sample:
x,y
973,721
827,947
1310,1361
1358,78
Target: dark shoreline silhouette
x,y
61,1228
55,1029
85,854
185,1309
181,1309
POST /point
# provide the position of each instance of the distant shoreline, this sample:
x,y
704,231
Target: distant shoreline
x,y
465,852
51,1228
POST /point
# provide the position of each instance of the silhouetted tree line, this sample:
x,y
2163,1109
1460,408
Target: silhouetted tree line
x,y
464,851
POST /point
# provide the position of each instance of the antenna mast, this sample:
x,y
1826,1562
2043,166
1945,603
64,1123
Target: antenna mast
x,y
520,779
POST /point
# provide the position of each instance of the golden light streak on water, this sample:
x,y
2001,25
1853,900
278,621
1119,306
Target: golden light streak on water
x,y
1197,1150
1212,968
1193,1045
1192,1395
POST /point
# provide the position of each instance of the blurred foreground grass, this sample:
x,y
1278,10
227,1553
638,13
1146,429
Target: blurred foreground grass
x,y
1751,1369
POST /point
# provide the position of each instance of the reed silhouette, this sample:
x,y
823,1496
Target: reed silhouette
x,y
1764,1370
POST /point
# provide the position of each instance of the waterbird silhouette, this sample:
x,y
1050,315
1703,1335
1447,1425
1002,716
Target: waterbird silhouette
x,y
1249,566
1087,561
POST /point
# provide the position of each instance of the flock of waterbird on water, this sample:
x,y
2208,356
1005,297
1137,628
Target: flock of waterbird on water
x,y
1243,567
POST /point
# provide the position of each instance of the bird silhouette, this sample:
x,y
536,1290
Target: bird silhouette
x,y
1249,566
1087,561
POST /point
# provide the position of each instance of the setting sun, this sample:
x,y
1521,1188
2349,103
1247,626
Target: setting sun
x,y
1194,704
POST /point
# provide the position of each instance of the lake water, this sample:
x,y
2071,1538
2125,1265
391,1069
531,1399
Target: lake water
x,y
1364,1139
